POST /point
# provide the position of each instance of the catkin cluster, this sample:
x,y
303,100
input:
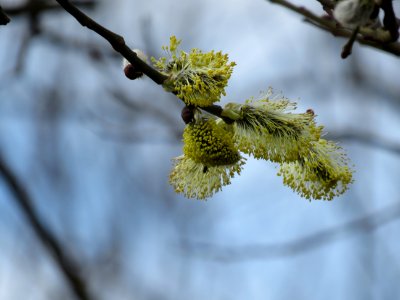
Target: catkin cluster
x,y
268,128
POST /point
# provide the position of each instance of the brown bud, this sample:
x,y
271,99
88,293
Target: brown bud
x,y
131,72
187,114
310,111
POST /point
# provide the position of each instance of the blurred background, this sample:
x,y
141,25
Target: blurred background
x,y
93,151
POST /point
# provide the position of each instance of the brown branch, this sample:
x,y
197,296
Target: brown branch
x,y
376,38
4,19
116,41
365,224
63,262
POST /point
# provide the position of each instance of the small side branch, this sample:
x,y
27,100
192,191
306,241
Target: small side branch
x,y
229,254
63,262
4,19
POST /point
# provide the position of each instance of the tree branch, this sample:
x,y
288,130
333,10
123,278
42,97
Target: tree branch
x,y
364,224
376,38
63,262
116,41
367,139
4,19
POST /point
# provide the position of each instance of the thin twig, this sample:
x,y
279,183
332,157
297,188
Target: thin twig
x,y
118,43
63,262
365,224
348,47
390,21
367,139
38,7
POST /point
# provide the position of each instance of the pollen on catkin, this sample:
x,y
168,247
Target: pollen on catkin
x,y
210,159
268,129
197,78
322,174
209,143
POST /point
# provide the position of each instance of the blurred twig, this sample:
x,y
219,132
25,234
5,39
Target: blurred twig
x,y
368,139
364,224
4,19
376,38
63,262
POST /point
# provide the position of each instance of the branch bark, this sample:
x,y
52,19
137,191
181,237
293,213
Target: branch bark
x,y
50,242
116,41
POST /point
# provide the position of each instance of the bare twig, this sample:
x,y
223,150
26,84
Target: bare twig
x,y
364,224
367,139
4,19
63,262
376,38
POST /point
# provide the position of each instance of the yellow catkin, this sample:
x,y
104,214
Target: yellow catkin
x,y
197,78
322,174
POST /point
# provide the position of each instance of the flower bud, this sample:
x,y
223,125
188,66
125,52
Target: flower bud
x,y
130,70
353,13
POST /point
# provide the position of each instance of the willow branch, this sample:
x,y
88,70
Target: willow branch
x,y
367,139
376,38
116,41
50,242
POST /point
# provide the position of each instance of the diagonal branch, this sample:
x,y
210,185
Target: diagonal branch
x,y
63,262
378,38
365,224
367,139
116,41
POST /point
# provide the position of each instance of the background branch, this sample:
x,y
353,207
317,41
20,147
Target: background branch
x,y
63,262
367,139
364,224
376,38
116,41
